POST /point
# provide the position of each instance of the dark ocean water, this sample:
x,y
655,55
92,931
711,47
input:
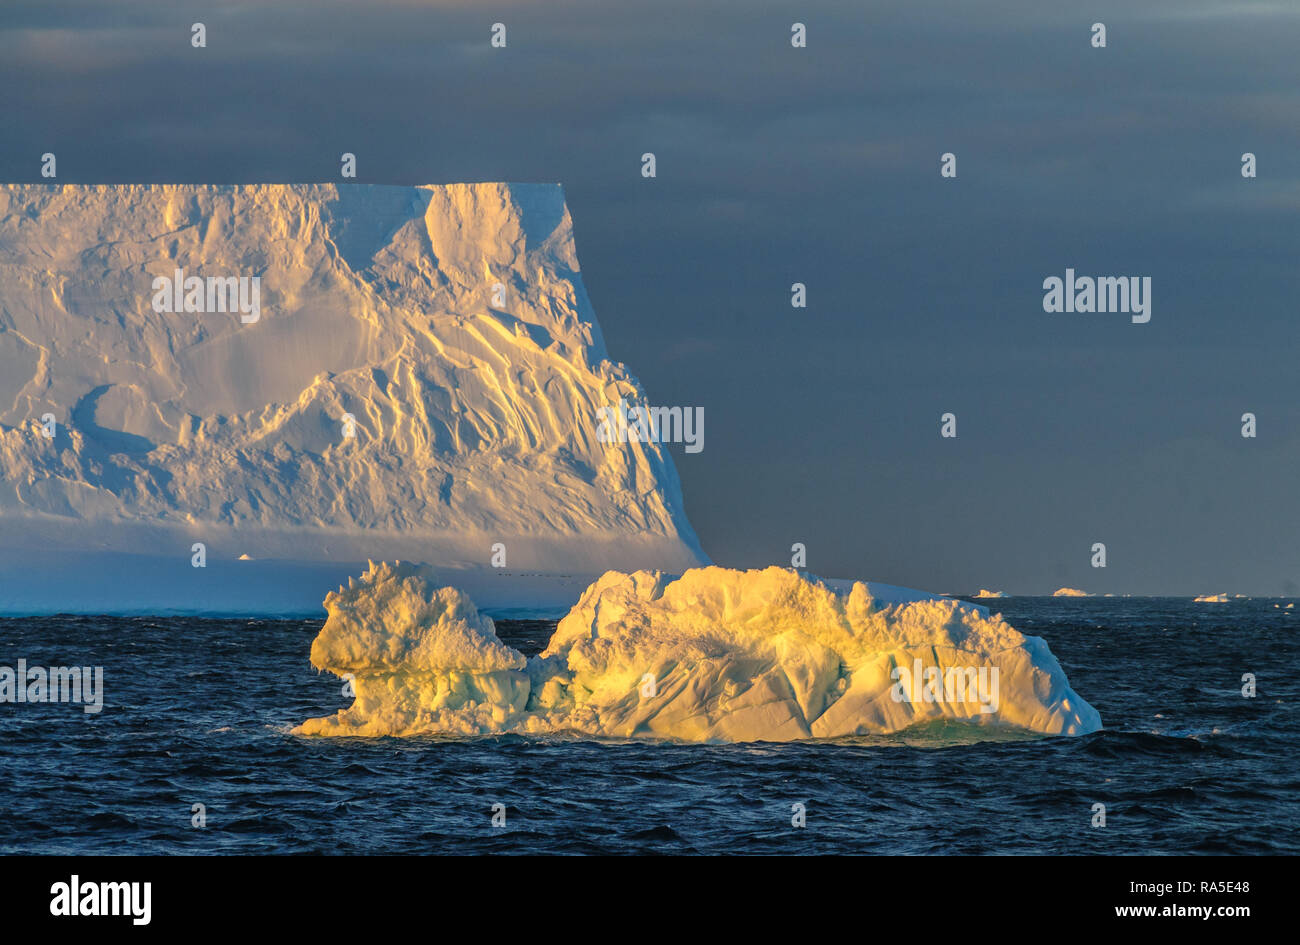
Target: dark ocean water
x,y
197,712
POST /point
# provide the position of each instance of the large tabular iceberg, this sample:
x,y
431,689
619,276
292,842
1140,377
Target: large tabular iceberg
x,y
424,375
712,655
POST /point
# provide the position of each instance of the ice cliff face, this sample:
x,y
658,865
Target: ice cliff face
x,y
446,326
715,655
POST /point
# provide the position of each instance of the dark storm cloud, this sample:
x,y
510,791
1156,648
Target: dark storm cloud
x,y
821,166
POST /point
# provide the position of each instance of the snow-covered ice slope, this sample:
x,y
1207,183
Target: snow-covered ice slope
x,y
475,414
713,655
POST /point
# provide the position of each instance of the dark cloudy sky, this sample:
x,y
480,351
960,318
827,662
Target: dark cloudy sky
x,y
819,165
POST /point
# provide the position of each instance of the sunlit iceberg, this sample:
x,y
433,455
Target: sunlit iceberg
x,y
418,370
712,655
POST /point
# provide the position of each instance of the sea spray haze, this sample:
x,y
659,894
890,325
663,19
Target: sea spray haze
x,y
713,655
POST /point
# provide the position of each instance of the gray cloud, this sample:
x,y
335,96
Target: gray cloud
x,y
819,165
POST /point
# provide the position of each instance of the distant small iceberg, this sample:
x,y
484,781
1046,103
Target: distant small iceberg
x,y
1070,592
984,593
1211,599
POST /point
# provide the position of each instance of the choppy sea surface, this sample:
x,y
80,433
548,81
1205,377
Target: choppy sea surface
x,y
198,712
